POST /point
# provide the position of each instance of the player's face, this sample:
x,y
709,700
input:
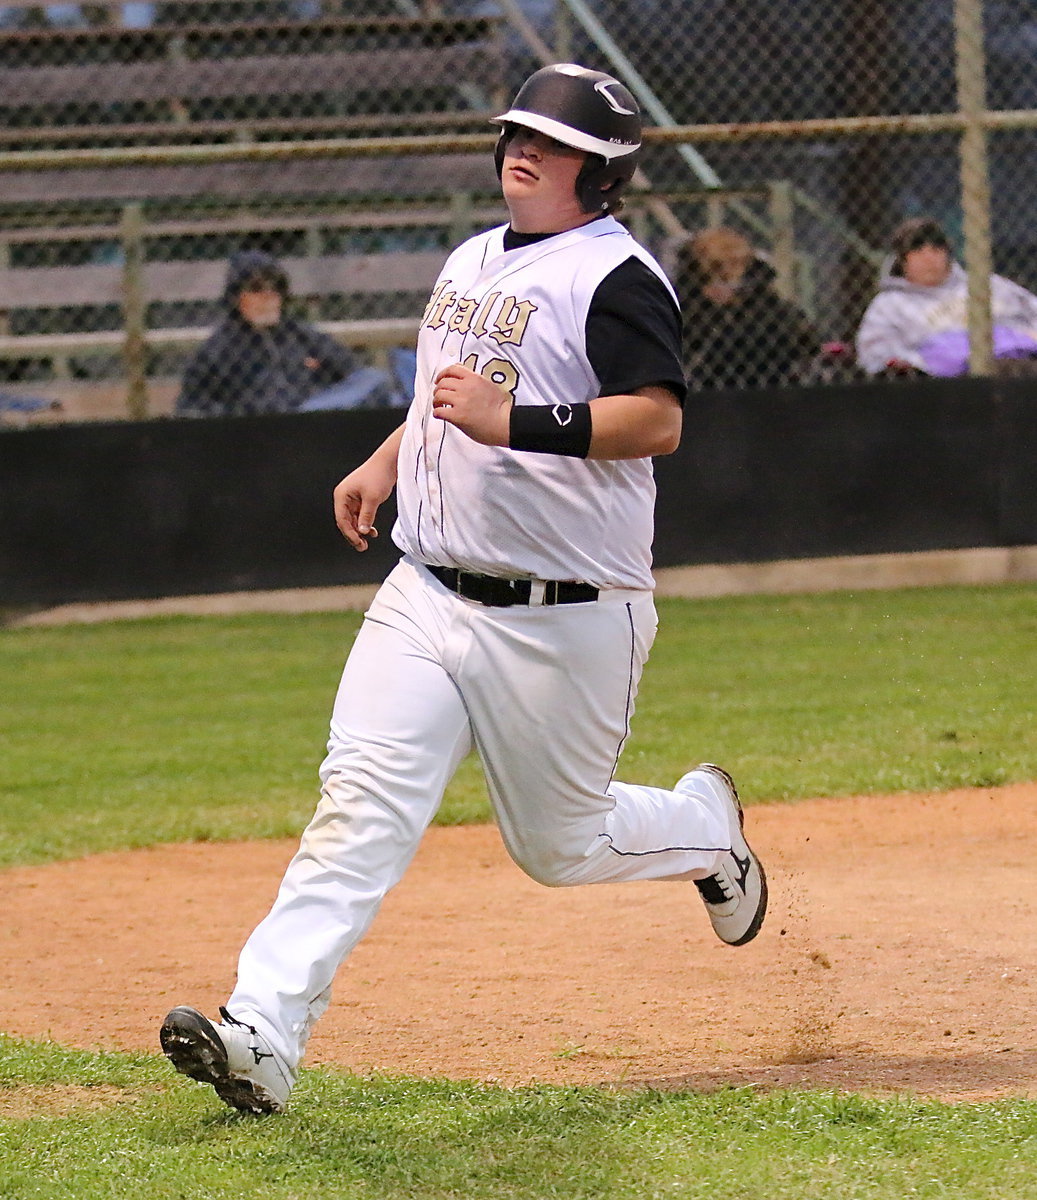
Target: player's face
x,y
539,183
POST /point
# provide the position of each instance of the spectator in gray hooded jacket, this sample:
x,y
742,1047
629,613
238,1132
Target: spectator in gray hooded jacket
x,y
258,359
917,324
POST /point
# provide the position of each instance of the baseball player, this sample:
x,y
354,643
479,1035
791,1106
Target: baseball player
x,y
520,615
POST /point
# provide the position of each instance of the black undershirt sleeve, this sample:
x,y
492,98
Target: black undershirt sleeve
x,y
633,333
633,329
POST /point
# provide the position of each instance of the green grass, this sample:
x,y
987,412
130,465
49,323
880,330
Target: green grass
x,y
133,733
102,1127
171,729
877,692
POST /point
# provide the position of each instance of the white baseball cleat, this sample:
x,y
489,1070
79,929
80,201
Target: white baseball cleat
x,y
233,1057
735,895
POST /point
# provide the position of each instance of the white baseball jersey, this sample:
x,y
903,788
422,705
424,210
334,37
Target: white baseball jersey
x,y
514,513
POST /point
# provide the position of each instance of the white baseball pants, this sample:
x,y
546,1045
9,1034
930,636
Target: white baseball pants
x,y
546,695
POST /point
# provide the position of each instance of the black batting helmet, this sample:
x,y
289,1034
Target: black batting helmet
x,y
589,111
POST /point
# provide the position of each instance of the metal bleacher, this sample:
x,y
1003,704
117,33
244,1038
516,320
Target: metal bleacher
x,y
90,251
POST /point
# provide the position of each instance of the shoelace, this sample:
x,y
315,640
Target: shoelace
x,y
229,1020
253,1045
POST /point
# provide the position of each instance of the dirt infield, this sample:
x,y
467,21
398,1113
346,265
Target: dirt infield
x,y
899,955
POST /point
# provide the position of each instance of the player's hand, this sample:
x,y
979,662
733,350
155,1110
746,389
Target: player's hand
x,y
476,405
357,499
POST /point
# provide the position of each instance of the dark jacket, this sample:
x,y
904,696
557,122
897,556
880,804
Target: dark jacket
x,y
240,369
759,340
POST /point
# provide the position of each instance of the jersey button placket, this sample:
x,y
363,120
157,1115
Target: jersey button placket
x,y
434,491
435,435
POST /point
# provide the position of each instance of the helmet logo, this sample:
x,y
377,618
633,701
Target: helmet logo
x,y
602,88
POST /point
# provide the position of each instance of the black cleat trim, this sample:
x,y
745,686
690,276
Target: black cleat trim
x,y
761,911
710,888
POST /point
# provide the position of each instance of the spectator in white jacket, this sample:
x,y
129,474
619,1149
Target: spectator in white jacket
x,y
917,324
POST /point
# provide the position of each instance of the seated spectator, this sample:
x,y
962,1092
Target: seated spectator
x,y
258,360
738,332
917,323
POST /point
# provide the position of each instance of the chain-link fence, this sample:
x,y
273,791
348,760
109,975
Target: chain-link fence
x,y
146,145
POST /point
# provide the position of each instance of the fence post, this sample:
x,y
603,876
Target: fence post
x,y
135,349
783,237
313,238
563,34
460,217
975,180
716,210
5,261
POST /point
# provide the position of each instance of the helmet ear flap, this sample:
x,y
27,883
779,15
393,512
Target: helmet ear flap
x,y
502,143
600,184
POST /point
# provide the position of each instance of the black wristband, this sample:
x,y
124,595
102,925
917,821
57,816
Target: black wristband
x,y
551,429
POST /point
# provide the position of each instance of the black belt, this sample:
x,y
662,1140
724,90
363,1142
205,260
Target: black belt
x,y
501,593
